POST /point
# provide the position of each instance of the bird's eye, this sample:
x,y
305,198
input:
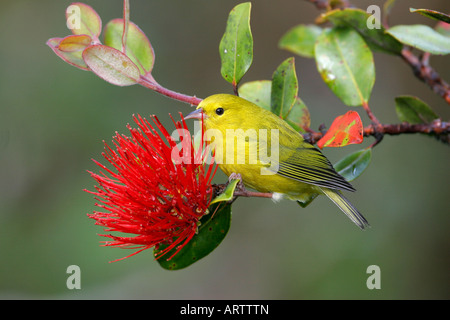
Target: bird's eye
x,y
219,111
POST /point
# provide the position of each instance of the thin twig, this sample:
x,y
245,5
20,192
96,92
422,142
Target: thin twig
x,y
369,112
378,133
329,5
150,83
126,19
426,73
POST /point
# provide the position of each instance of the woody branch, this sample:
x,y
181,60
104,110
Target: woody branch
x,y
438,128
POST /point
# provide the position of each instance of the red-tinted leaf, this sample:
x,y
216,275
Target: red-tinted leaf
x,y
443,28
111,65
74,43
345,129
74,58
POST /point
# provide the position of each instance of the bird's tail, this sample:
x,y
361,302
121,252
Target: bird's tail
x,y
338,198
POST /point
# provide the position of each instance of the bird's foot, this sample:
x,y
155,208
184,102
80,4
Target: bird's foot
x,y
234,176
237,176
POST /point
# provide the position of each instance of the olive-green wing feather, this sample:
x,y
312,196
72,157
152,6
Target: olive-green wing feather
x,y
307,164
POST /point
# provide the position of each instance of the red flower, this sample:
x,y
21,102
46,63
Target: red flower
x,y
153,195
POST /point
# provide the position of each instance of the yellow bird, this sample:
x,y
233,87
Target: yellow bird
x,y
269,154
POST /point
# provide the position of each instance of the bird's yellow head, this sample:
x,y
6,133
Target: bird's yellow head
x,y
225,111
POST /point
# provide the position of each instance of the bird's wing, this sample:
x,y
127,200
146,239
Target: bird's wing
x,y
307,164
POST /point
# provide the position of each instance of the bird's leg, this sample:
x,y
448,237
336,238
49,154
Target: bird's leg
x,y
240,188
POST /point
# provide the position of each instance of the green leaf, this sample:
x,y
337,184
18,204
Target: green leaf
x,y
212,230
138,47
74,57
346,65
421,37
353,165
82,19
413,110
228,193
257,92
236,46
299,117
366,25
111,65
300,40
284,88
436,15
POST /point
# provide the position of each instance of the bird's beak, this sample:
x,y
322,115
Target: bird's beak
x,y
197,114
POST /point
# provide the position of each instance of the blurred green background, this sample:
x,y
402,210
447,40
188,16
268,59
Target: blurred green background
x,y
53,119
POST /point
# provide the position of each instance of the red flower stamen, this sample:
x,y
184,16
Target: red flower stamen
x,y
150,193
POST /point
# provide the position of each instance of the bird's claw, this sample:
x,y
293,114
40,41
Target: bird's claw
x,y
237,176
